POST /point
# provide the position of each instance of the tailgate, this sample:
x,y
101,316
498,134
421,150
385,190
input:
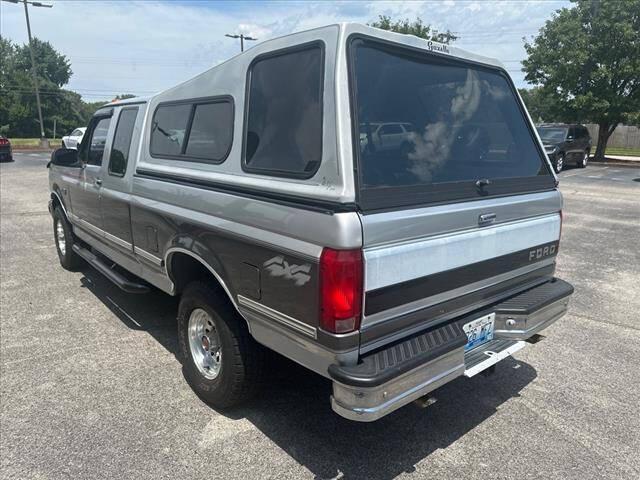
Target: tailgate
x,y
428,265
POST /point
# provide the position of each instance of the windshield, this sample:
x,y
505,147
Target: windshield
x,y
552,135
440,122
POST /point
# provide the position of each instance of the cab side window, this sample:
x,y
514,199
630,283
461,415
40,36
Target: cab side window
x,y
97,143
122,141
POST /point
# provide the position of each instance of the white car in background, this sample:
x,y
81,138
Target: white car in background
x,y
74,138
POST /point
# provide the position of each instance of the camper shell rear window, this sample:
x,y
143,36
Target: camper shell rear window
x,y
429,128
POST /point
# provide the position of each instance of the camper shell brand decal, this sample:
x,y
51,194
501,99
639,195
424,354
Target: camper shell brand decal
x,y
437,47
279,267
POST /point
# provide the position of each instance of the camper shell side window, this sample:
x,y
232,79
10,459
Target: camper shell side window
x,y
197,130
284,112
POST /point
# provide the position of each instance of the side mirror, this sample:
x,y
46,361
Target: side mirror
x,y
65,157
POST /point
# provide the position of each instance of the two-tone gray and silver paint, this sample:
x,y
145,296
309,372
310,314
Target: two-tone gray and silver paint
x,y
265,253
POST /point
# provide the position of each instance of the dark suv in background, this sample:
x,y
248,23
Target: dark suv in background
x,y
565,143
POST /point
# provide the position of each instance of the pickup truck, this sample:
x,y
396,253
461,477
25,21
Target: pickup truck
x,y
257,193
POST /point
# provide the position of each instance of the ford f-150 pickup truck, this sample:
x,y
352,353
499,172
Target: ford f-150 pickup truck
x,y
265,195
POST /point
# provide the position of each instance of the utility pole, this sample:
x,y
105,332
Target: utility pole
x,y
43,141
242,38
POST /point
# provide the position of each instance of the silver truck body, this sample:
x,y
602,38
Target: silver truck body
x,y
428,268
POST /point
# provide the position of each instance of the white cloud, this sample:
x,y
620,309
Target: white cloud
x,y
143,47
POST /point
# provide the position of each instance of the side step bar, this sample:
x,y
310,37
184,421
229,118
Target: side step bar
x,y
117,278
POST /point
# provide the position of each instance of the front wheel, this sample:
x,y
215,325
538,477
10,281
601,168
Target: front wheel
x,y
63,235
221,361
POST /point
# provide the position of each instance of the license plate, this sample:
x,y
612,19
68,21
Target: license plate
x,y
479,331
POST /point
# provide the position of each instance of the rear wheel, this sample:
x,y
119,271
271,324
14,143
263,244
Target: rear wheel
x,y
585,159
63,235
221,361
559,164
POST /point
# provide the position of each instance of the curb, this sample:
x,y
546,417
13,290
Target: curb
x,y
32,150
617,163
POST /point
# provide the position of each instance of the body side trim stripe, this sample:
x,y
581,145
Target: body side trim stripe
x,y
277,316
148,256
98,231
118,241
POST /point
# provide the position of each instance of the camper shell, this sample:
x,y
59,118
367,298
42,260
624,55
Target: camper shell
x,y
258,193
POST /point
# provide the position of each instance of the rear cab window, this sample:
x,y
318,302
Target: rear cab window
x,y
119,156
464,134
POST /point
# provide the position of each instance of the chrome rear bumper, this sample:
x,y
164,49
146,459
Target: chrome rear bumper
x,y
391,378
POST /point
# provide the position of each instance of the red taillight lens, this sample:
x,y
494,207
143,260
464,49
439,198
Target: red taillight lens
x,y
4,141
340,290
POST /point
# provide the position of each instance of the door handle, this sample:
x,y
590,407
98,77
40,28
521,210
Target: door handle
x,y
98,182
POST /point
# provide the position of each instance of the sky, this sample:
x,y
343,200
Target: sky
x,y
142,47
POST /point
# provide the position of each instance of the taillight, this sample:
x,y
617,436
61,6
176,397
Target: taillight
x,y
340,290
4,141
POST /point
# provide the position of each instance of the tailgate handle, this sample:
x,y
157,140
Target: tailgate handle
x,y
486,218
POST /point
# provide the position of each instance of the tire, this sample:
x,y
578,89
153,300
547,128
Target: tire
x,y
223,365
64,239
582,163
559,163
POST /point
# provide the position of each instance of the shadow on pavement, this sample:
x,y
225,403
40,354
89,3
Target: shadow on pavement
x,y
154,312
293,409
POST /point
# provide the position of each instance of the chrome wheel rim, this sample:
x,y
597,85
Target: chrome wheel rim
x,y
585,159
204,344
559,163
62,244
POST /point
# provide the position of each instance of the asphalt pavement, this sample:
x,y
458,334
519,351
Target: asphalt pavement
x,y
91,386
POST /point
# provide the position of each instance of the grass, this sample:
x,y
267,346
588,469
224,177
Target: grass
x,y
32,142
634,152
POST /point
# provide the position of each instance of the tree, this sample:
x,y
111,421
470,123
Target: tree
x,y
417,28
53,68
18,114
587,59
541,106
